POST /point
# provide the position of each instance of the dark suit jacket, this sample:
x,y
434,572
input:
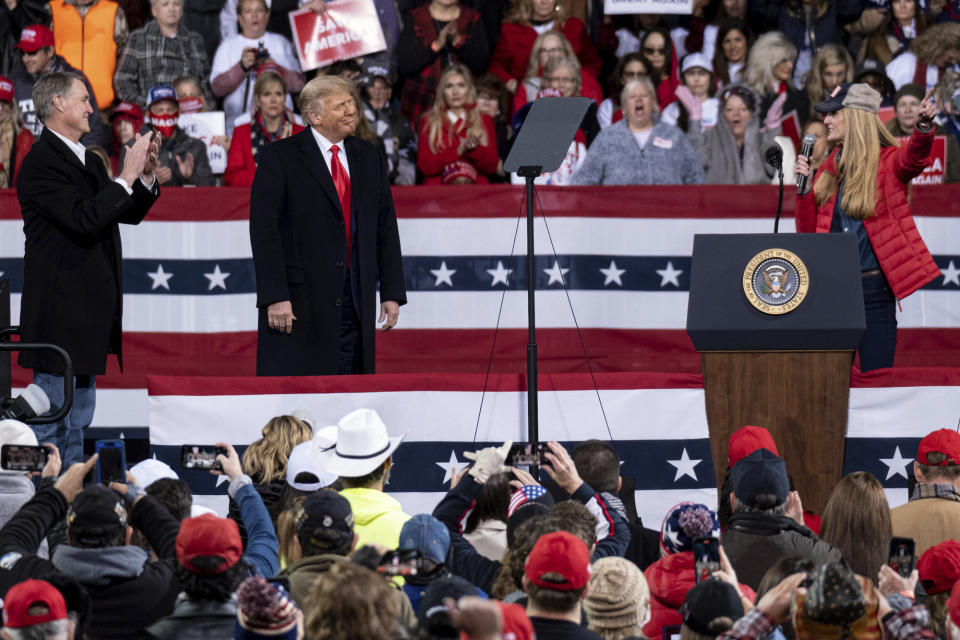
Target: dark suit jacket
x,y
300,252
73,272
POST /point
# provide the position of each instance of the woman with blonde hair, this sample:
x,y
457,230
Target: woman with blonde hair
x,y
456,144
769,70
856,521
265,461
832,65
862,189
523,21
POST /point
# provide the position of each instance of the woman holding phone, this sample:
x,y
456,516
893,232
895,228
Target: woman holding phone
x,y
862,189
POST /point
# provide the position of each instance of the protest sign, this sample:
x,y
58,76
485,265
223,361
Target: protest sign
x,y
348,29
648,6
204,126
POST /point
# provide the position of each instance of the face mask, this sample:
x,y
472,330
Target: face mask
x,y
164,124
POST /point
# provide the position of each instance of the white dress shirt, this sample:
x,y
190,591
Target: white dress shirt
x,y
328,155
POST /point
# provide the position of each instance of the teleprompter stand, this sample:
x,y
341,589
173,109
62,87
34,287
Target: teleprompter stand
x,y
540,147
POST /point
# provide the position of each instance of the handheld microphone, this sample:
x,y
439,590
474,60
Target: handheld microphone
x,y
29,404
809,141
774,156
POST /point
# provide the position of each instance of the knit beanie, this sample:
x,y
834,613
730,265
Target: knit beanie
x,y
264,610
617,594
685,523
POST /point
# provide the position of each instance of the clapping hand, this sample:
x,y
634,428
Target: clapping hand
x,y
185,166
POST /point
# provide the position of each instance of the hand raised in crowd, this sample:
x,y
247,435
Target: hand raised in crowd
x,y
280,316
795,508
131,491
54,463
488,461
523,479
561,468
319,6
478,617
890,582
185,166
135,159
230,462
928,109
389,313
688,100
249,57
469,143
776,602
70,484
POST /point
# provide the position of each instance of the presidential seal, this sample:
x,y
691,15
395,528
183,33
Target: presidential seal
x,y
775,281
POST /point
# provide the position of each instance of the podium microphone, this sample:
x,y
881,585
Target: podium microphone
x,y
809,141
774,157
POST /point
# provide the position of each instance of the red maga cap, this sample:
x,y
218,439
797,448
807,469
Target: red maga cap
x,y
943,441
748,439
939,567
208,536
31,593
34,37
559,552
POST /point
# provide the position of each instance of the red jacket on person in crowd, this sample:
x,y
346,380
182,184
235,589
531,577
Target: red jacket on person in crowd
x,y
18,151
669,579
484,157
512,55
241,167
904,258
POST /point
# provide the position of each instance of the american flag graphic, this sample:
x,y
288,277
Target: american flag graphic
x,y
526,493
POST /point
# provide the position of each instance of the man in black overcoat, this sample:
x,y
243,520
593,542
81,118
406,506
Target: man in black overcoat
x,y
72,274
317,270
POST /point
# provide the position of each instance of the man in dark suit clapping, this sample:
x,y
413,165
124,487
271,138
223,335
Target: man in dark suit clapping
x,y
324,234
72,275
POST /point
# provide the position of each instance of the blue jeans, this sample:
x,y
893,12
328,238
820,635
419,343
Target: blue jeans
x,y
67,434
879,341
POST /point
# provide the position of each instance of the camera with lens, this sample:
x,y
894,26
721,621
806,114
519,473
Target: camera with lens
x,y
262,53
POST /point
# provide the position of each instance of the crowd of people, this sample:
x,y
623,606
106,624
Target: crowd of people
x,y
315,546
701,96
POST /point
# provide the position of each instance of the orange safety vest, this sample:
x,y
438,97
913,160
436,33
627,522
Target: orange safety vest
x,y
87,43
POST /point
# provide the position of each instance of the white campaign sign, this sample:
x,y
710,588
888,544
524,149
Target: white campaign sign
x,y
648,6
204,126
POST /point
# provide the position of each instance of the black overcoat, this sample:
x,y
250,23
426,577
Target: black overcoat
x,y
73,263
299,243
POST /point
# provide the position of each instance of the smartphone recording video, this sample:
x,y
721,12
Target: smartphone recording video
x,y
706,558
202,457
112,461
23,457
902,557
526,455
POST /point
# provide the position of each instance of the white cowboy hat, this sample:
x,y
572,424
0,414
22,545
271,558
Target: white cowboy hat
x,y
362,444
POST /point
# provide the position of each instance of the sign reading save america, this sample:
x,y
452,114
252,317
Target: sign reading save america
x,y
348,29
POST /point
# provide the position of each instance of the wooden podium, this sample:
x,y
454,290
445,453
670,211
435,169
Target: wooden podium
x,y
788,371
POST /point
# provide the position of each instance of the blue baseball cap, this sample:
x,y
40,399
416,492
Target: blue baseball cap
x,y
426,534
160,92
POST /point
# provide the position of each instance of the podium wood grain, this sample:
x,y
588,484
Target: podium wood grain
x,y
800,396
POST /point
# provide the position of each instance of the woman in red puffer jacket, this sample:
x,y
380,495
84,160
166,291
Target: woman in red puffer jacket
x,y
862,189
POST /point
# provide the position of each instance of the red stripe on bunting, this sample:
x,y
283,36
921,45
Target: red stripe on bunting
x,y
212,204
468,351
392,382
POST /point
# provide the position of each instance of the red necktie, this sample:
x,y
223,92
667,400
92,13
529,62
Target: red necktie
x,y
342,181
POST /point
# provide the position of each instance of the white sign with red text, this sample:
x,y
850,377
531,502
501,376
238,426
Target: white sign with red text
x,y
936,169
209,127
648,6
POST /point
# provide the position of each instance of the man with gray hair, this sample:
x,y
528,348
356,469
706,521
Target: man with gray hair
x,y
759,532
324,235
72,272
